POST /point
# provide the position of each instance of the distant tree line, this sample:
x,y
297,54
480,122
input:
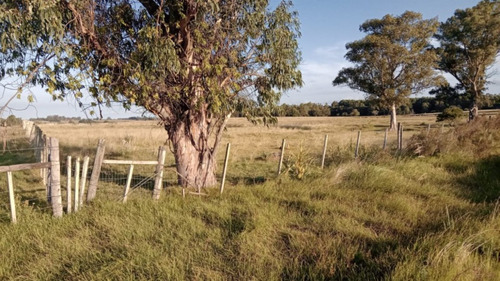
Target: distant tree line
x,y
371,108
11,121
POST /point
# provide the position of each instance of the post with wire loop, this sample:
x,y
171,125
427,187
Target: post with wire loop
x,y
83,180
159,173
96,171
55,178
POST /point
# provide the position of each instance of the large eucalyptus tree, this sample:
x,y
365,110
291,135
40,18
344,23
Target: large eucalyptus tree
x,y
189,62
392,61
469,44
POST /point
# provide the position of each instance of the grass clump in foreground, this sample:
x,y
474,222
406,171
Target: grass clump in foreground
x,y
431,218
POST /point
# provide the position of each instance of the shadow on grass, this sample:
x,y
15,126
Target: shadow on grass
x,y
482,184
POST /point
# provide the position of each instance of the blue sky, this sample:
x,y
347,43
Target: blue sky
x,y
326,26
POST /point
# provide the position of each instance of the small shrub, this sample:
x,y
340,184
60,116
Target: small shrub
x,y
297,164
479,138
451,114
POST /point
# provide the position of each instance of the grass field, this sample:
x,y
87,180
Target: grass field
x,y
385,216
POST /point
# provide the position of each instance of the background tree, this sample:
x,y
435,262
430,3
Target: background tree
x,y
191,63
470,42
393,61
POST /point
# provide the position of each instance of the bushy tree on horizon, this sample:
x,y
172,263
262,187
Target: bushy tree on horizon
x,y
393,61
469,44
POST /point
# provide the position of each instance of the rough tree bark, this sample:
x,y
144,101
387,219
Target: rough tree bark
x,y
195,140
195,160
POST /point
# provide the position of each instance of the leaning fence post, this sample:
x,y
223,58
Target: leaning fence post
x,y
159,173
68,185
356,152
83,179
283,143
96,170
55,178
129,181
11,198
385,139
428,128
225,168
324,152
77,184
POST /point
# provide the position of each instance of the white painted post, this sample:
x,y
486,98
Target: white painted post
x,y
159,173
356,152
225,168
324,152
83,179
77,184
401,138
385,140
11,198
68,185
129,181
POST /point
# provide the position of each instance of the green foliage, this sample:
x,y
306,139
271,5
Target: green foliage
x,y
451,113
470,42
298,163
393,61
13,121
189,63
206,56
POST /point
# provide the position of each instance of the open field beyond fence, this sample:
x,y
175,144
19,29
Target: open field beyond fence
x,y
385,216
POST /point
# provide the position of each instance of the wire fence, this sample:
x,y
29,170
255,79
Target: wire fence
x,y
30,187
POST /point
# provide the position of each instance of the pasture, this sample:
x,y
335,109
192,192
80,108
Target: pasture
x,y
384,216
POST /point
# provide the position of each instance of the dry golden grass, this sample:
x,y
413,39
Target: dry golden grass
x,y
255,149
247,141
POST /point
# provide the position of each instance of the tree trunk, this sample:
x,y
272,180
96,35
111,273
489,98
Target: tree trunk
x,y
194,155
394,123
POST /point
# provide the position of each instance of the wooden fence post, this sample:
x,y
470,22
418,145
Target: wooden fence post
x,y
399,135
385,140
55,178
225,168
129,181
96,171
401,138
159,173
77,184
44,157
356,152
11,198
428,128
324,152
283,143
68,185
83,179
